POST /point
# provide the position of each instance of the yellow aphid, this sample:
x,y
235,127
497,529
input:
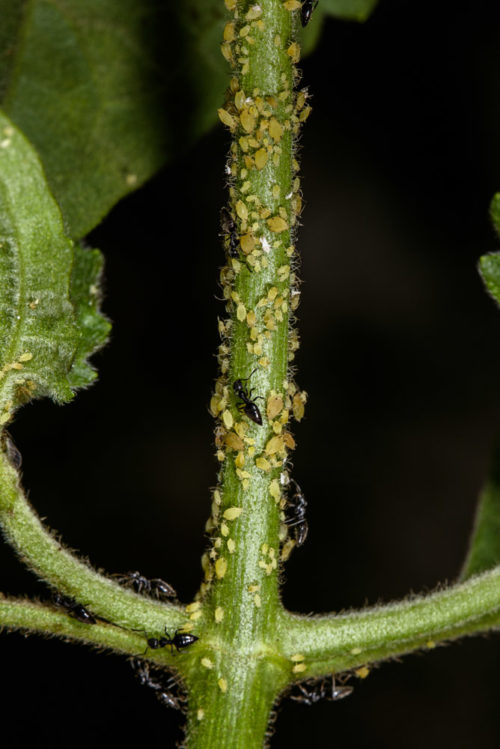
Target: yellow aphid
x,y
293,52
362,672
275,445
253,588
251,318
227,418
241,312
226,118
430,644
261,158
277,224
248,121
356,651
234,442
241,210
26,357
232,513
239,99
263,464
239,460
207,663
193,606
230,4
231,545
276,191
254,13
196,615
219,614
305,114
247,242
228,34
200,714
244,144
300,101
274,490
222,685
275,129
299,668
221,567
298,407
274,406
292,4
244,31
257,600
287,549
297,657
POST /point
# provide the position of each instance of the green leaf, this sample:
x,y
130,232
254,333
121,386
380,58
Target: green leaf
x,y
40,336
489,268
349,10
108,90
495,212
93,327
484,550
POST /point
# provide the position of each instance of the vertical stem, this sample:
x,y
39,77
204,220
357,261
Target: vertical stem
x,y
230,704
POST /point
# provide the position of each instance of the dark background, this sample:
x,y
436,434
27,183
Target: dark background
x,y
400,356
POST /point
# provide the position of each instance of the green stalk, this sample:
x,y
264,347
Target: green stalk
x,y
242,671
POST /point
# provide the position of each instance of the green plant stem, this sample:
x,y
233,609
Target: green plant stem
x,y
338,643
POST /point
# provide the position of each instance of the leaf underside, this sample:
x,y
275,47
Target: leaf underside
x,y
44,339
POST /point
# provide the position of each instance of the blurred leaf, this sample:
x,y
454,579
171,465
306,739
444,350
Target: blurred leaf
x,y
489,268
484,551
495,212
40,336
349,10
109,90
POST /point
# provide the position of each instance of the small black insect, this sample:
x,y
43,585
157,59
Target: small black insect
x,y
307,10
74,609
179,641
309,693
298,505
166,690
248,406
229,232
151,587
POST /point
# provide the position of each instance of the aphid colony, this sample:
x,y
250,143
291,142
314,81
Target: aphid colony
x,y
259,282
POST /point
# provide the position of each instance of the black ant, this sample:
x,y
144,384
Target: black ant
x,y
163,689
298,505
248,406
307,10
228,225
156,586
74,609
312,693
179,641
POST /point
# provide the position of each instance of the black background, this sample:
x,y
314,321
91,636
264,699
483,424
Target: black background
x,y
400,356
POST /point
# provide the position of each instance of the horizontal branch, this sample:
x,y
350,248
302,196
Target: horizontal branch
x,y
57,566
338,643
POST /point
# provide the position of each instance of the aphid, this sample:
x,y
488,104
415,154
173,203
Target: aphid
x,y
307,10
154,587
298,521
312,693
165,690
229,232
248,406
74,609
14,456
179,641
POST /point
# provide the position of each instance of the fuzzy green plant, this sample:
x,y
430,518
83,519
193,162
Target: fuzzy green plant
x,y
77,133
